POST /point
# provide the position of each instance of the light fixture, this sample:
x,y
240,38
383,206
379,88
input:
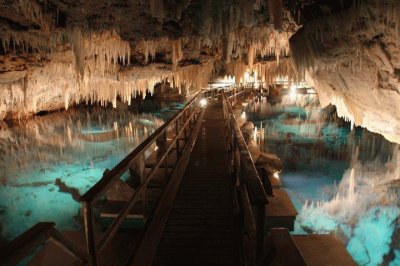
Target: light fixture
x,y
276,175
293,93
203,102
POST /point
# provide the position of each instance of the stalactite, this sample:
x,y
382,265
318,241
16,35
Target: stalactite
x,y
33,40
98,51
176,52
33,12
260,41
149,48
250,56
267,72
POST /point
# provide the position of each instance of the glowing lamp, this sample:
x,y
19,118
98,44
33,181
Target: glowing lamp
x,y
203,103
276,175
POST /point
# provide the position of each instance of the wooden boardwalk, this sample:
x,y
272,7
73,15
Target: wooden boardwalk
x,y
201,228
201,209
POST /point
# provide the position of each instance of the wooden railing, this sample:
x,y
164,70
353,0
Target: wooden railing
x,y
283,250
38,235
169,137
250,191
167,140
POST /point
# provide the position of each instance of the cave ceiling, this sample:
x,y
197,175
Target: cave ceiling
x,y
55,53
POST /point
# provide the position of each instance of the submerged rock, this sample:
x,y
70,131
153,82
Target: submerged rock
x,y
120,191
64,188
247,130
270,162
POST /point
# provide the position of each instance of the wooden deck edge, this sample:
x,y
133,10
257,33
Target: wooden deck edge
x,y
148,247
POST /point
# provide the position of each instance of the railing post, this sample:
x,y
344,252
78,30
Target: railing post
x,y
161,141
260,225
185,118
177,137
143,178
87,209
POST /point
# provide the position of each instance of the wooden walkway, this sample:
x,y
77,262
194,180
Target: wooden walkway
x,y
208,213
201,226
202,229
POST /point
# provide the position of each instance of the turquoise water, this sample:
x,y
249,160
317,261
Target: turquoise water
x,y
72,147
341,181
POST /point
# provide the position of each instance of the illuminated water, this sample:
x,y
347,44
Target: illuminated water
x,y
38,153
341,181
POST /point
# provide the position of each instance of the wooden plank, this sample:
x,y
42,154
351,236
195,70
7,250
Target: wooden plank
x,y
116,253
280,211
111,209
148,247
280,205
26,243
206,191
325,250
286,249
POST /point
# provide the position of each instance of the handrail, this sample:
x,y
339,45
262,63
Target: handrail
x,y
180,124
106,181
119,220
183,123
30,240
252,196
256,189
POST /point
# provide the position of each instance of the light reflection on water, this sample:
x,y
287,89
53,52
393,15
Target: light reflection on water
x,y
318,151
74,146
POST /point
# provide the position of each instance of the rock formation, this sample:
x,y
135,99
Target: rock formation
x,y
54,54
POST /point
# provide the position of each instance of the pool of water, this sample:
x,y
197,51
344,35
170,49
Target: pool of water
x,y
341,180
43,155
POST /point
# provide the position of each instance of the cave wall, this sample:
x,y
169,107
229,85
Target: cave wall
x,y
352,58
54,54
58,53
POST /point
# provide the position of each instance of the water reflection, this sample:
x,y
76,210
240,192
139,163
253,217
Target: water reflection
x,y
341,180
43,155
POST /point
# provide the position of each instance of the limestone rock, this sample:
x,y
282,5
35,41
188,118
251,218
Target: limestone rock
x,y
270,162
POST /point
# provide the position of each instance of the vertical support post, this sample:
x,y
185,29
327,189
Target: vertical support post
x,y
177,137
161,141
87,209
143,178
166,167
185,116
260,225
190,119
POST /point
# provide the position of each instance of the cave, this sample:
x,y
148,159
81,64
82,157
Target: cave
x,y
187,132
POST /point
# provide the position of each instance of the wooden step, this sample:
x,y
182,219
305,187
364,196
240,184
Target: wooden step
x,y
323,250
111,209
115,253
153,159
314,249
280,211
160,177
